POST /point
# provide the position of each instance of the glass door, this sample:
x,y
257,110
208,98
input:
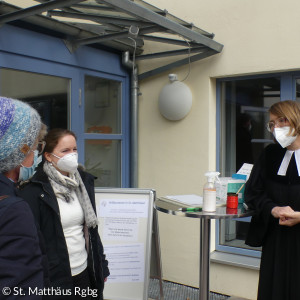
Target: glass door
x,y
49,95
103,130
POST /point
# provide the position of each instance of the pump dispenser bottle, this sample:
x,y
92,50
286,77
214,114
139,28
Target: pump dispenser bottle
x,y
209,192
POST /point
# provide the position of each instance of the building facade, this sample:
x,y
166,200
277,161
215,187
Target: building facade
x,y
88,91
257,67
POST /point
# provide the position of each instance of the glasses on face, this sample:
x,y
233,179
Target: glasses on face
x,y
280,122
41,146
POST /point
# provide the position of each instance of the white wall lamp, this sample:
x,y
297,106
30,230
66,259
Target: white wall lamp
x,y
175,99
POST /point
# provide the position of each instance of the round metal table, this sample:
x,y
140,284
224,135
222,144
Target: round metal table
x,y
166,206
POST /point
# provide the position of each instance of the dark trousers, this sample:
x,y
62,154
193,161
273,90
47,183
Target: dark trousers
x,y
82,286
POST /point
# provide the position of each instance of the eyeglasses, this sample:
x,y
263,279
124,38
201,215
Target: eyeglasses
x,y
41,146
280,122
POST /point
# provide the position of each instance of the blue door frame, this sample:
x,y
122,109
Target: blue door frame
x,y
29,51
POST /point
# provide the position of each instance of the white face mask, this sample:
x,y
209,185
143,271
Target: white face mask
x,y
282,137
67,163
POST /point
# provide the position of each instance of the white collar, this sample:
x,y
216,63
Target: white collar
x,y
286,161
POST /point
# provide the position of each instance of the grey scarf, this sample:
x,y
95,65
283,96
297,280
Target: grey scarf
x,y
64,185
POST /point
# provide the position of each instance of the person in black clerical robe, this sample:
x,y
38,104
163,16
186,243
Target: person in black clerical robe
x,y
273,191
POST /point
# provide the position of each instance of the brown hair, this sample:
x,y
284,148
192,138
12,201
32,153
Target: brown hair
x,y
290,110
53,137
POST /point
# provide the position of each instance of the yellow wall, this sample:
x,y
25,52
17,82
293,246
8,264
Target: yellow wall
x,y
258,37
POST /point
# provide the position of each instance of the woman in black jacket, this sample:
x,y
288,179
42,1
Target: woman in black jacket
x,y
21,271
273,191
63,203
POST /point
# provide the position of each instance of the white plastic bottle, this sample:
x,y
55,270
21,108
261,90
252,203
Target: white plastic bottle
x,y
209,192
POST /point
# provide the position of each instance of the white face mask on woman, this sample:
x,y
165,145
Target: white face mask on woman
x,y
282,137
67,163
27,172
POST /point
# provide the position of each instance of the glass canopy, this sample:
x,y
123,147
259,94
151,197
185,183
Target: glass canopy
x,y
119,25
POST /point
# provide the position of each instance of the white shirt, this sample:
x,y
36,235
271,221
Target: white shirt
x,y
72,220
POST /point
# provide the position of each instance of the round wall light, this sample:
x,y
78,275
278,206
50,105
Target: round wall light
x,y
175,99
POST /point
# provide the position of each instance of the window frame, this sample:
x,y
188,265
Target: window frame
x,y
287,92
123,136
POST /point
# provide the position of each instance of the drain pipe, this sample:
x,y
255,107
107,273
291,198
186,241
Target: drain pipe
x,y
134,118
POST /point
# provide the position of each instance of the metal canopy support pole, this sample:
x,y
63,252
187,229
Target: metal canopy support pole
x,y
134,127
204,258
171,53
158,254
176,64
167,40
146,14
100,18
113,36
134,117
37,9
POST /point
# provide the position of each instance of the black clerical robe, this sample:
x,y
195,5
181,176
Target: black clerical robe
x,y
280,261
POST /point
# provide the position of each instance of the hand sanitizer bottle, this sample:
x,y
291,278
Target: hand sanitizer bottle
x,y
209,192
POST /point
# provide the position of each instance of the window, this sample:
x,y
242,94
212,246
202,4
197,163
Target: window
x,y
243,113
244,116
103,103
49,95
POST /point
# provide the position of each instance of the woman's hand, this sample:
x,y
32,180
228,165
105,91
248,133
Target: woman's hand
x,y
290,219
286,215
279,212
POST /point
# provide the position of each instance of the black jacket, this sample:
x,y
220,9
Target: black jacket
x,y
20,254
41,198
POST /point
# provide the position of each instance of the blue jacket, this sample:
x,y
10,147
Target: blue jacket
x,y
20,254
42,200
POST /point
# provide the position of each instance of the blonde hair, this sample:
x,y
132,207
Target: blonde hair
x,y
290,110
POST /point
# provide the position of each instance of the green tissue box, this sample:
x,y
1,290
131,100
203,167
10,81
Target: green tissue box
x,y
229,185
